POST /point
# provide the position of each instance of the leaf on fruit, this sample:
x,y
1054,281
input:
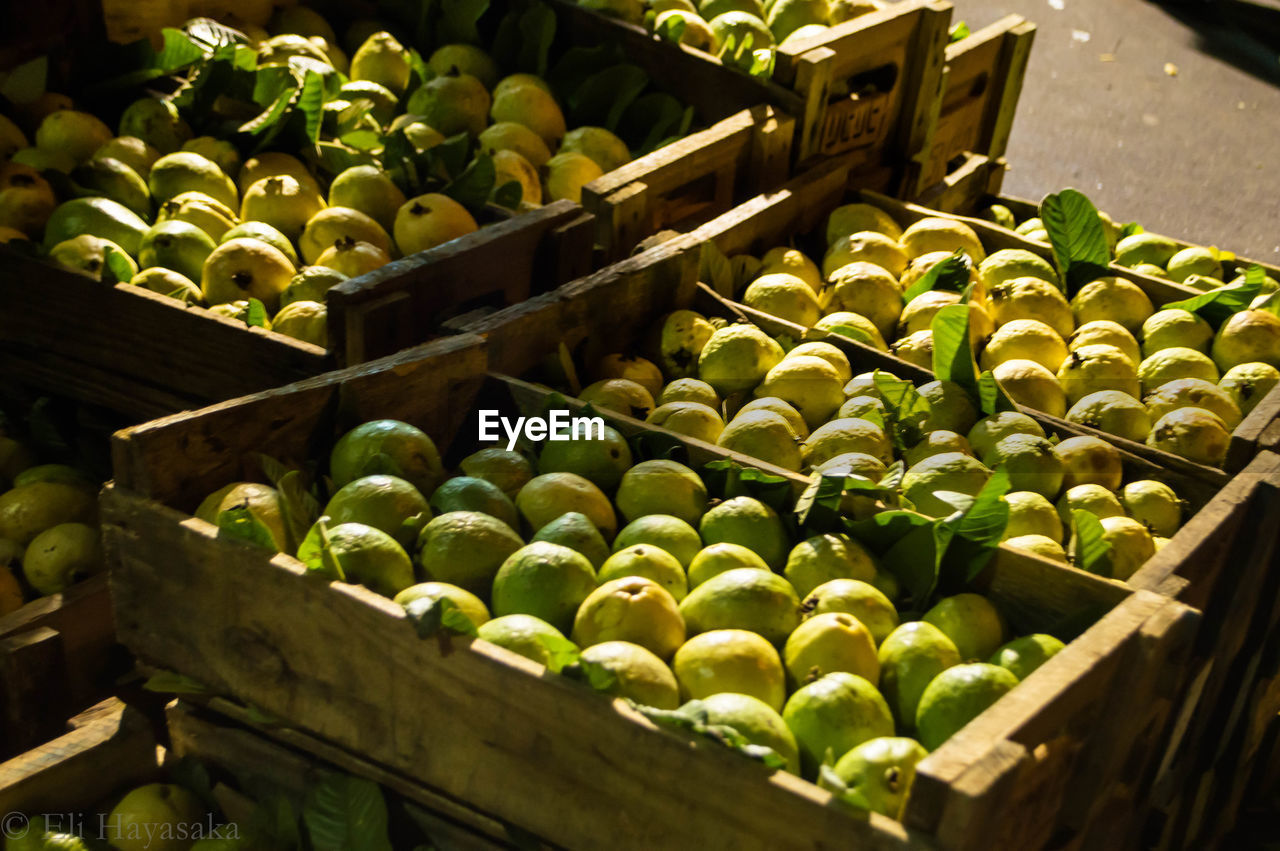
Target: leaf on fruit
x,y
212,35
952,348
458,21
335,158
726,478
601,100
715,270
241,523
179,51
345,813
256,317
762,63
1089,549
118,267
473,187
992,398
508,195
949,274
852,801
429,616
905,409
977,532
593,674
170,682
311,104
362,140
1219,305
271,115
561,652
1129,229
671,29
27,81
579,64
916,558
959,31
651,119
856,334
1077,236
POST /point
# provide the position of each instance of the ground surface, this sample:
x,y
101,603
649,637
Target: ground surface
x,y
1195,155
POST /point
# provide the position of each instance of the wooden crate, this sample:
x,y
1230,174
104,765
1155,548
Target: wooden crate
x,y
983,81
822,81
699,176
105,749
795,215
131,350
113,747
531,743
58,654
403,303
1229,563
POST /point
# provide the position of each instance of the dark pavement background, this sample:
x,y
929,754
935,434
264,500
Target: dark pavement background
x,y
1194,155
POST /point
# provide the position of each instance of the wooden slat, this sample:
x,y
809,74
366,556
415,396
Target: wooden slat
x,y
57,655
300,421
128,335
980,95
108,748
401,304
225,736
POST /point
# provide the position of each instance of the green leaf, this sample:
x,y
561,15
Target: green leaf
x,y
429,616
257,315
992,398
473,187
1089,548
594,674
241,523
561,652
715,270
852,800
905,409
458,21
118,268
959,31
978,531
508,195
271,115
1129,229
450,157
1077,236
853,333
726,478
362,140
651,118
692,718
823,494
949,274
746,269
323,561
671,29
27,81
179,51
335,158
579,64
952,348
600,100
214,36
193,775
298,508
170,682
344,813
916,558
273,822
1219,305
311,104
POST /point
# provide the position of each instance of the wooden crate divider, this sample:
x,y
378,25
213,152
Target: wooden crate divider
x,y
57,655
983,82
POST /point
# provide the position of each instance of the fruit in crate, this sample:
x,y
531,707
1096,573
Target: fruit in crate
x,y
1101,355
786,639
391,155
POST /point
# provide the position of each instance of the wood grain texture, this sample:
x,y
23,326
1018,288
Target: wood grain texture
x,y
109,747
127,337
402,303
57,655
223,736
